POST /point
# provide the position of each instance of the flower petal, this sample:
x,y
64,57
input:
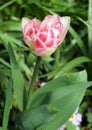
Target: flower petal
x,y
65,26
25,21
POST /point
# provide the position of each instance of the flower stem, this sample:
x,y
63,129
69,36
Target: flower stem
x,y
33,81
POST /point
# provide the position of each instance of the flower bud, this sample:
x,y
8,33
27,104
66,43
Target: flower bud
x,y
44,37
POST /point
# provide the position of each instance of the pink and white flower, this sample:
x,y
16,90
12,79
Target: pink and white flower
x,y
44,37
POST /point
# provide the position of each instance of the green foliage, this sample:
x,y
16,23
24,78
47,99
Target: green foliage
x,y
8,105
89,119
70,126
57,95
18,79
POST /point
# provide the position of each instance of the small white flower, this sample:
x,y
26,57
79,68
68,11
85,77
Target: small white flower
x,y
76,118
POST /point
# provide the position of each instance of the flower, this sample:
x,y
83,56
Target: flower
x,y
44,37
76,118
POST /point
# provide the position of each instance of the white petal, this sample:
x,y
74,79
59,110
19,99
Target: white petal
x,y
79,117
25,21
65,21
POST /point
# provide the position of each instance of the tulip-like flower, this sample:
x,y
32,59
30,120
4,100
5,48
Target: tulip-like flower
x,y
44,37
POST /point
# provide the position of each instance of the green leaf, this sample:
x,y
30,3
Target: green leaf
x,y
51,86
4,62
60,95
33,118
6,5
10,39
78,40
70,126
8,105
10,26
67,106
89,117
18,79
68,66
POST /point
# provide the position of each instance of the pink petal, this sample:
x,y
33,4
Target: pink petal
x,y
50,34
39,43
43,36
50,43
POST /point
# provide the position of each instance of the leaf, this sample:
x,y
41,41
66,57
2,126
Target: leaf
x,y
70,126
6,5
8,105
10,26
4,62
89,117
10,39
60,95
44,92
18,79
68,66
51,86
33,118
60,107
67,106
79,40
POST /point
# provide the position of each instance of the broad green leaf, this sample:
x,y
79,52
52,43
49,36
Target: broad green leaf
x,y
67,106
61,106
18,79
8,105
50,87
62,95
33,118
70,126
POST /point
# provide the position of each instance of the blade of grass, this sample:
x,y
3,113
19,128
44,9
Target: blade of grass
x,y
8,105
78,40
68,66
7,4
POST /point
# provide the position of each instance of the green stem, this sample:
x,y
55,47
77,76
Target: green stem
x,y
89,29
31,90
90,39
